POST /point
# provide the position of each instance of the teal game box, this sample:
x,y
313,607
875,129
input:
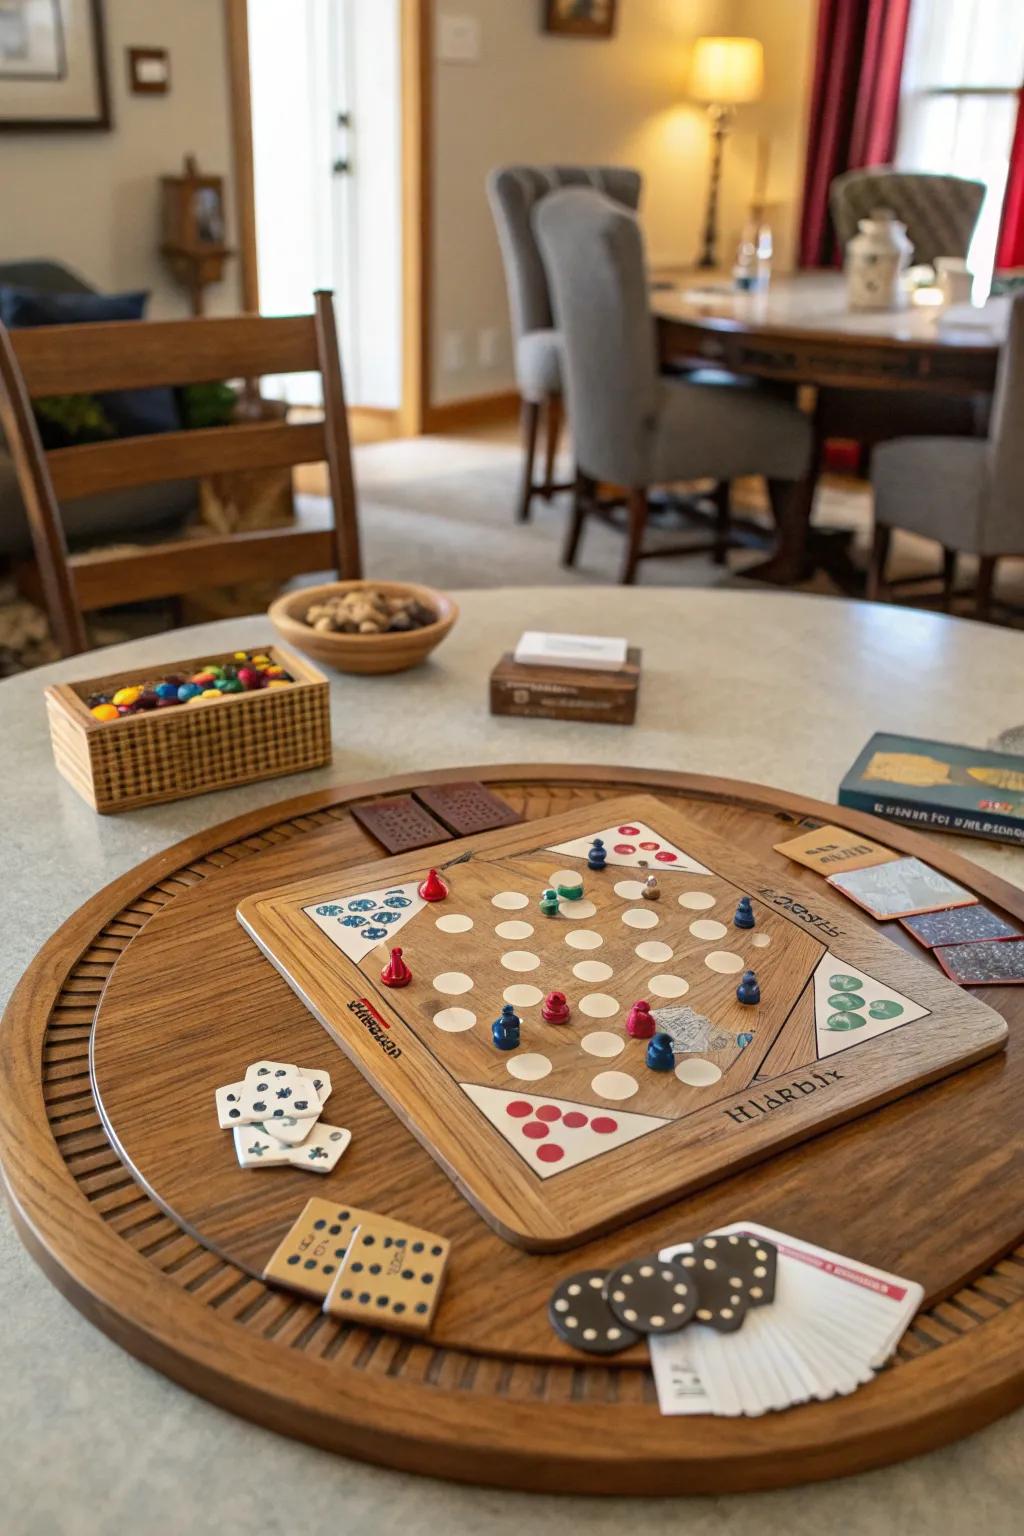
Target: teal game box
x,y
938,787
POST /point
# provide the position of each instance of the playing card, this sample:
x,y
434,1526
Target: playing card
x,y
255,1147
959,925
272,1099
266,1072
977,965
900,889
286,1127
831,848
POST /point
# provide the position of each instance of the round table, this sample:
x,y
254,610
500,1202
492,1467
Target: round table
x,y
772,687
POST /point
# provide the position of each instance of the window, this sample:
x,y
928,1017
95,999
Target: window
x,y
962,72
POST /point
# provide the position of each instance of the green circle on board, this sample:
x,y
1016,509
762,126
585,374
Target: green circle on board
x,y
885,1009
845,1021
844,983
846,1002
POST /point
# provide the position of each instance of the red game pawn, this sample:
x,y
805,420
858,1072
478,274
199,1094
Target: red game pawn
x,y
640,1023
555,1008
433,887
396,973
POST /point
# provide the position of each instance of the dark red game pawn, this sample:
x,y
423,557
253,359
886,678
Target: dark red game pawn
x,y
640,1023
396,973
433,887
555,1008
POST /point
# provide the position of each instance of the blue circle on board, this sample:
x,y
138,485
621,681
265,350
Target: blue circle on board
x,y
329,909
353,920
361,904
374,933
397,901
386,917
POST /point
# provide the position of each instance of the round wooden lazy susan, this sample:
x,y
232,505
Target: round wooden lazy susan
x,y
144,1220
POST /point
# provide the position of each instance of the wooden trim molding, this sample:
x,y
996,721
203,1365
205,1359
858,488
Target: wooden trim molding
x,y
417,211
476,411
236,23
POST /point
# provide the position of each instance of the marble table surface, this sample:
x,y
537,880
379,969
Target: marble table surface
x,y
774,687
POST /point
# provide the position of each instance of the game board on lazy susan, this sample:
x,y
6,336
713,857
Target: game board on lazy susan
x,y
571,1133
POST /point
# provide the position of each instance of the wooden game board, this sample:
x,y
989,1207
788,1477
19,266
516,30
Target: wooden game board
x,y
130,1198
571,1133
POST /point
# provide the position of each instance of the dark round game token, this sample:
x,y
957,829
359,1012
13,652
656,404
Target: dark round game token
x,y
651,1295
748,1259
580,1315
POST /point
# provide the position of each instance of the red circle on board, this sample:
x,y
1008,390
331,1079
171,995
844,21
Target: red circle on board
x,y
666,858
518,1108
623,848
630,831
604,1125
574,1119
535,1129
650,847
549,1112
551,1152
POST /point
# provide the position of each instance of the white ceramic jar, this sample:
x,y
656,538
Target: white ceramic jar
x,y
875,261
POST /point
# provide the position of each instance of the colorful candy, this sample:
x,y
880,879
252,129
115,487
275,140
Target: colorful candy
x,y
104,711
245,673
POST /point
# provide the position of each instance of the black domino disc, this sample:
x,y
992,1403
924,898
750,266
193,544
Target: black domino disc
x,y
651,1295
722,1301
748,1259
580,1315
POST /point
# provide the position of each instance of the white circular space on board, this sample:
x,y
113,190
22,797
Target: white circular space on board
x,y
592,970
629,890
614,1085
529,1068
696,1073
566,877
583,938
603,1043
640,917
517,930
454,922
578,909
708,928
510,901
697,901
654,951
761,940
520,960
454,1020
523,995
724,962
452,983
598,1005
668,986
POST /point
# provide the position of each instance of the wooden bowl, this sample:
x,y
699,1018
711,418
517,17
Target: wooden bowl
x,y
394,652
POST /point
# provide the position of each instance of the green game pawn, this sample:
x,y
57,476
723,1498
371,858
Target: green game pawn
x,y
571,890
549,904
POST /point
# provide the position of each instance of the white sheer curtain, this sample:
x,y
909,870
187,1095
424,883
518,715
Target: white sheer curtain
x,y
963,67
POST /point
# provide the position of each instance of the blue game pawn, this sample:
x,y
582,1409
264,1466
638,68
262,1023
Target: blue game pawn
x,y
661,1055
748,990
505,1031
744,914
597,857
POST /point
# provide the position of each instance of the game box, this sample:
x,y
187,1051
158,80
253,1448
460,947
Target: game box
x,y
932,784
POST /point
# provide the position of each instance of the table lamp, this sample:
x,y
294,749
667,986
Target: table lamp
x,y
724,73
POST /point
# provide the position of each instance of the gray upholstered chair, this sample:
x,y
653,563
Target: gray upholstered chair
x,y
940,212
965,492
631,426
513,192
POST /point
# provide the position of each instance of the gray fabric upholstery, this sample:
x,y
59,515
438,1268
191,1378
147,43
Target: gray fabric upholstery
x,y
966,492
630,426
513,192
539,364
940,212
42,277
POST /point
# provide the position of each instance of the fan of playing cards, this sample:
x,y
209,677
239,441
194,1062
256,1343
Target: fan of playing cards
x,y
774,1321
274,1116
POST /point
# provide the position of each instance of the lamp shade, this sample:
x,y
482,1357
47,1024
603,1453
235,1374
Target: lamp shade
x,y
726,70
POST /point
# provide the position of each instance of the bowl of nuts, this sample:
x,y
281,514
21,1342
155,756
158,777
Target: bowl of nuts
x,y
365,626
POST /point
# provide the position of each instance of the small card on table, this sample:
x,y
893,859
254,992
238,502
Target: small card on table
x,y
900,889
832,848
1000,963
960,925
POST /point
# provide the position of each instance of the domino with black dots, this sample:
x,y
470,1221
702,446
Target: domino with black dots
x,y
390,1277
309,1256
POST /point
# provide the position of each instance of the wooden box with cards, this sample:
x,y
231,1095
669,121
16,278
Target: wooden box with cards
x,y
189,748
567,693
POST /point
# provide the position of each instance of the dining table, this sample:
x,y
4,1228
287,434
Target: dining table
x,y
800,331
754,684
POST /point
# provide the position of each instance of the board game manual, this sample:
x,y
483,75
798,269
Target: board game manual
x,y
932,784
566,693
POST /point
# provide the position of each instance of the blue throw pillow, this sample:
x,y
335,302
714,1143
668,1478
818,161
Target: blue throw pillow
x,y
131,412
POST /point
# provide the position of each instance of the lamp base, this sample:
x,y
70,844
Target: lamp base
x,y
708,258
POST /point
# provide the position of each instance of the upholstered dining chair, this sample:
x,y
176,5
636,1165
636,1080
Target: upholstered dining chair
x,y
513,192
631,426
967,493
940,212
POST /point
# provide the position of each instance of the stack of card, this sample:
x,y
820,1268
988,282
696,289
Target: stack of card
x,y
833,1322
274,1116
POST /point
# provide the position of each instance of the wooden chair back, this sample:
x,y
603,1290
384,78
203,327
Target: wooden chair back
x,y
126,355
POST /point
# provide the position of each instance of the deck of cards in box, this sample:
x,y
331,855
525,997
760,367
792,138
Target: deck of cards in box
x,y
568,677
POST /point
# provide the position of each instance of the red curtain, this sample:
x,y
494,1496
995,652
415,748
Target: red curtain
x,y
854,105
1010,251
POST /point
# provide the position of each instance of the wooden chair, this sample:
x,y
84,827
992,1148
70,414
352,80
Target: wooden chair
x,y
88,359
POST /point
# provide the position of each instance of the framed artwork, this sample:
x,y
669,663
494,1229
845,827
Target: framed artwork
x,y
580,18
53,72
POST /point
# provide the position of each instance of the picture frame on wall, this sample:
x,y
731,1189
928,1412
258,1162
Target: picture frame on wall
x,y
580,18
53,69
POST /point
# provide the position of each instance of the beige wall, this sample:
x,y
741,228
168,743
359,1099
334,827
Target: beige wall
x,y
91,199
536,98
